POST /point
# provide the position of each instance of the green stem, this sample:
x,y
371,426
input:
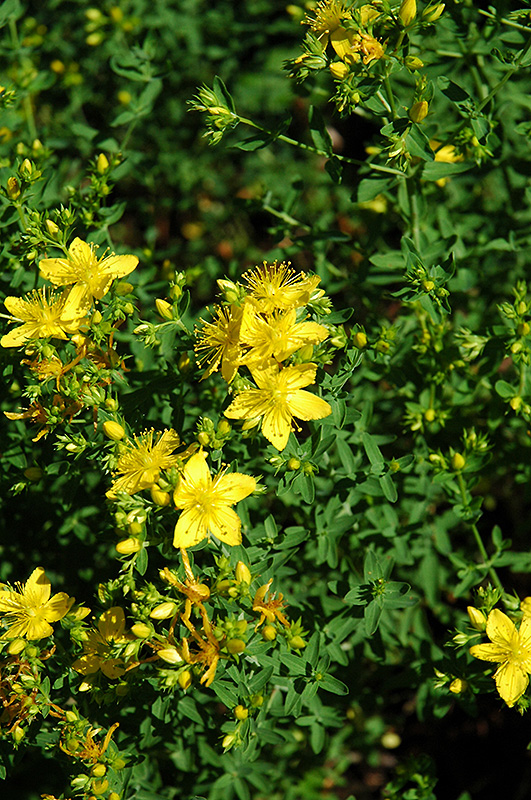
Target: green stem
x,y
22,217
521,383
390,96
286,217
316,150
505,21
508,74
477,537
413,212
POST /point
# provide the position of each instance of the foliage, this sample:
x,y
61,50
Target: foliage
x,y
290,515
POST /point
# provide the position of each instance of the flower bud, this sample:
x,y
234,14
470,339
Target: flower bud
x,y
123,288
141,630
242,572
164,308
413,63
13,189
229,740
297,642
16,646
18,734
235,646
224,427
164,611
129,546
26,168
515,403
429,414
418,111
185,679
477,618
159,497
183,364
407,12
360,340
203,438
100,786
458,685
170,655
241,713
113,430
432,14
458,462
52,228
525,606
99,770
269,633
102,164
339,70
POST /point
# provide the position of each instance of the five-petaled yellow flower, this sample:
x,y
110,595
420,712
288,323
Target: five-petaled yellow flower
x,y
278,399
140,466
277,287
277,337
206,503
91,276
43,314
511,648
219,342
99,648
29,609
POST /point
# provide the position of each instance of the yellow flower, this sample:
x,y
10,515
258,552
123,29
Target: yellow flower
x,y
141,464
219,342
44,315
277,287
99,648
279,336
91,276
328,17
278,399
206,503
512,649
29,609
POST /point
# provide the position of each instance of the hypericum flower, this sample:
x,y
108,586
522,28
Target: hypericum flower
x,y
270,609
44,315
277,287
91,276
29,609
206,503
99,648
512,649
279,336
278,399
328,17
141,464
219,342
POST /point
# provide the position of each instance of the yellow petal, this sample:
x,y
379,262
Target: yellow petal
x,y
112,668
111,624
190,529
225,524
37,589
276,427
56,608
298,376
232,488
118,266
87,664
500,629
247,405
58,271
489,652
38,628
196,472
511,682
305,405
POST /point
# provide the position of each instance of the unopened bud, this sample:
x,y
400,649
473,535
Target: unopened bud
x,y
52,228
418,111
293,464
297,642
170,655
515,403
477,618
413,63
26,168
164,611
407,11
113,430
99,787
241,713
242,572
129,546
183,364
269,633
102,164
99,770
458,462
432,14
235,646
185,679
458,685
339,70
360,340
16,646
164,308
141,630
13,189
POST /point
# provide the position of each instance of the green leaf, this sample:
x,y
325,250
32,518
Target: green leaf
x,y
388,487
372,615
505,389
369,188
226,693
320,136
317,737
333,685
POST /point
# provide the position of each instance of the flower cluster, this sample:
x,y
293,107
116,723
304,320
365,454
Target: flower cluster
x,y
264,325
